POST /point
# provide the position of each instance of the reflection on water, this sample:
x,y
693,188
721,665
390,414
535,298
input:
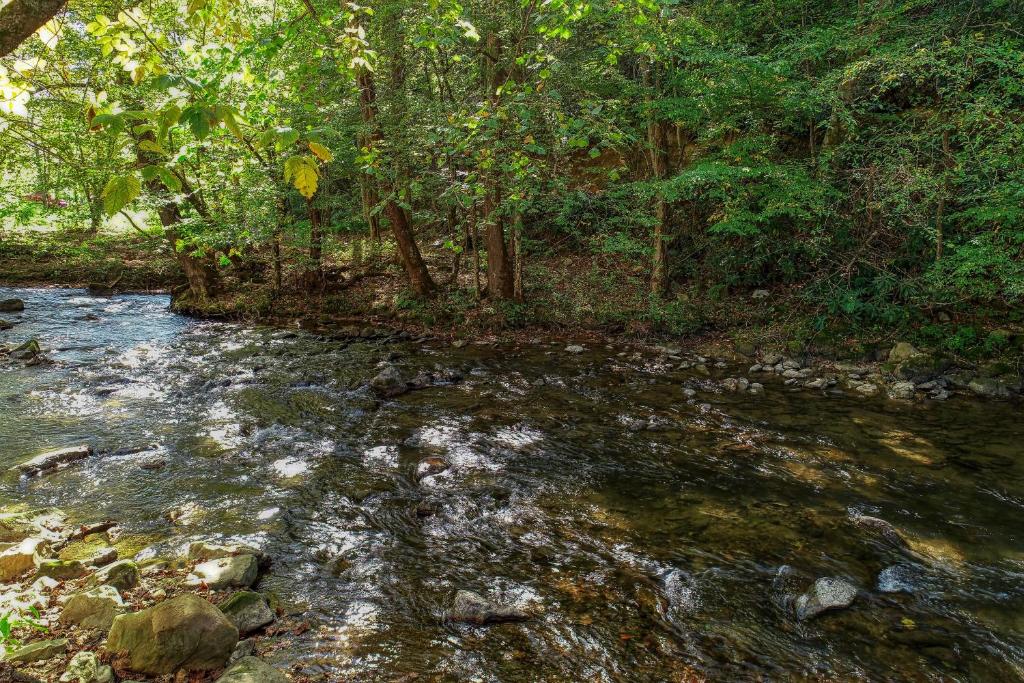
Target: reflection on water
x,y
657,539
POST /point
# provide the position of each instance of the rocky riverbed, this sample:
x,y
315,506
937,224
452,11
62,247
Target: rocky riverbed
x,y
321,506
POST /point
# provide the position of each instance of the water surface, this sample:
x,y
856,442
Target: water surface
x,y
658,539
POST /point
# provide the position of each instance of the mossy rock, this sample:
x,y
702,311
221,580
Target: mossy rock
x,y
62,570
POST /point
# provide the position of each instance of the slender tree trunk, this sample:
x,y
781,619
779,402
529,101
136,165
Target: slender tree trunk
x,y
517,241
500,284
412,261
474,234
658,143
200,272
315,271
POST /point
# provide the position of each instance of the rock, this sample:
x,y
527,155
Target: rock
x,y
867,389
86,667
239,571
44,523
153,464
5,324
122,575
459,343
51,460
428,467
20,558
771,359
880,527
902,391
990,387
185,632
756,388
388,383
204,550
252,670
897,578
94,608
745,348
39,651
760,294
245,648
11,305
472,608
62,570
826,594
574,348
248,611
689,393
819,383
902,352
922,368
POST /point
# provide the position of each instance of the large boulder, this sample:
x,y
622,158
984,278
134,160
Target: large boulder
x,y
826,594
20,558
990,387
51,460
86,667
248,611
902,352
62,570
252,670
93,608
237,571
185,632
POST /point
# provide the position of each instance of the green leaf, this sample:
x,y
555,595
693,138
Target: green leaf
x,y
119,192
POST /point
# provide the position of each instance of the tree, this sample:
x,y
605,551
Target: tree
x,y
19,19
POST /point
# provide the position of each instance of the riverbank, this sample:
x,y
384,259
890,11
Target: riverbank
x,y
569,299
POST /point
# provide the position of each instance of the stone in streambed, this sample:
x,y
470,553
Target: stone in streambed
x,y
122,575
472,608
903,391
20,558
39,651
185,632
204,550
389,383
44,523
51,460
252,670
428,467
248,611
5,324
826,594
11,305
239,571
62,570
86,667
94,608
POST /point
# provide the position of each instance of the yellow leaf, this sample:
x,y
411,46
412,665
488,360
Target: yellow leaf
x,y
301,172
322,152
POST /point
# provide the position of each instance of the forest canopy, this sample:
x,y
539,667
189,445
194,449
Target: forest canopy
x,y
862,156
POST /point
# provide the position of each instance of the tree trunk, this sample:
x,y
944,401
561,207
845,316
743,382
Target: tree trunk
x,y
200,272
658,142
401,225
21,18
517,242
500,283
315,271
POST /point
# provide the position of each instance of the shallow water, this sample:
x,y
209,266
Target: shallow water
x,y
649,533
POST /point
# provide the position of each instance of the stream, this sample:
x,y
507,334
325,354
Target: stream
x,y
655,538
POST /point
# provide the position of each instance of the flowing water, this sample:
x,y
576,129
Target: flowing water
x,y
656,539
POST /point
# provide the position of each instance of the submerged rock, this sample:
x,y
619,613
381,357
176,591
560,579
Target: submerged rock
x,y
51,460
39,651
428,467
5,324
897,578
94,608
826,594
473,608
389,383
248,611
86,667
185,632
238,571
574,348
252,670
11,305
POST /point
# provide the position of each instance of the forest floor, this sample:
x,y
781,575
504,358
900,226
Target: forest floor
x,y
570,297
